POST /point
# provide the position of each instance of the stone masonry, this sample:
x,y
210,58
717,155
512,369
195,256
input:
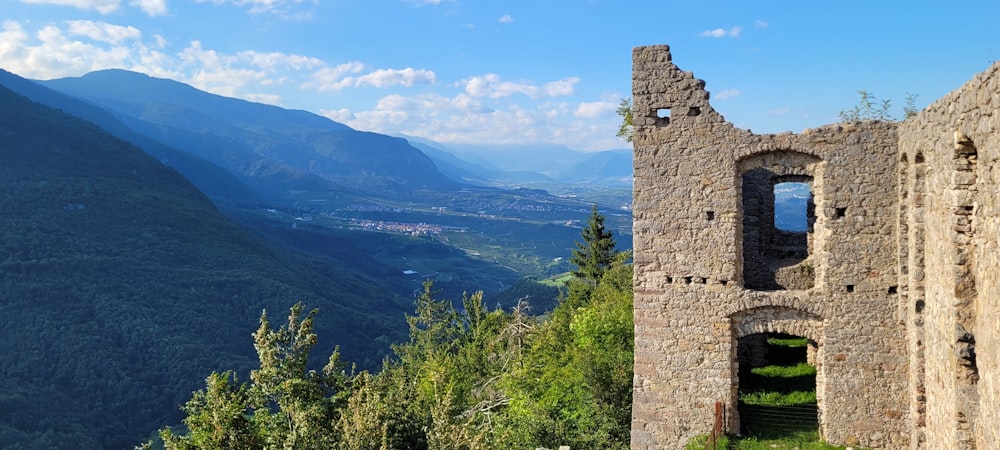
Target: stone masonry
x,y
895,284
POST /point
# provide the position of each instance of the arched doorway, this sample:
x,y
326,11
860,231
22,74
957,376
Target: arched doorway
x,y
777,372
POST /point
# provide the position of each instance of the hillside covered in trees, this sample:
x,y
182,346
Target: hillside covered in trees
x,y
121,286
467,378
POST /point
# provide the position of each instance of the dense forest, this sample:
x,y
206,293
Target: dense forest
x,y
469,377
122,285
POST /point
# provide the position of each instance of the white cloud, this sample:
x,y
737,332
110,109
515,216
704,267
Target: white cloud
x,y
408,77
338,115
288,9
428,2
506,18
103,31
561,88
101,6
490,85
591,110
270,99
727,94
760,24
722,32
152,8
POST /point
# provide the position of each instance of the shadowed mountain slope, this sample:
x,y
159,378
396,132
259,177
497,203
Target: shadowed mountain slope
x,y
122,287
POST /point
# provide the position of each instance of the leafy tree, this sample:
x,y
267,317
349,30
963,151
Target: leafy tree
x,y
625,111
597,251
573,384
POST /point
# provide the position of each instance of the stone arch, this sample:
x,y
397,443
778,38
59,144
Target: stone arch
x,y
771,258
750,328
777,319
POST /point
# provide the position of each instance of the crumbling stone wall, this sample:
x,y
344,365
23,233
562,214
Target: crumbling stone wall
x,y
896,284
955,144
693,240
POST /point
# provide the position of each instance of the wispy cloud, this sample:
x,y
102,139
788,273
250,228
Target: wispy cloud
x,y
329,79
427,2
287,9
760,24
591,110
506,18
727,94
101,6
103,32
492,86
722,32
150,7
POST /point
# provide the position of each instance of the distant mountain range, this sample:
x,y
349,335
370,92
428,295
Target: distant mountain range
x,y
528,164
268,148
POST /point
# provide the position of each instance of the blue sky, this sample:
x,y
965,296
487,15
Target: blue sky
x,y
513,71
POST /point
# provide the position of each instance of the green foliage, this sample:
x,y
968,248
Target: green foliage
x,y
867,109
625,112
700,442
597,251
870,108
910,108
468,378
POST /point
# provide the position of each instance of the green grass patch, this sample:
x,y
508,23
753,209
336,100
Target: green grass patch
x,y
808,440
798,370
558,280
771,398
788,341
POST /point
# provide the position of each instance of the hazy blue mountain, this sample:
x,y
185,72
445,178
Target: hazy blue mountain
x,y
608,167
269,148
535,165
549,160
122,287
217,183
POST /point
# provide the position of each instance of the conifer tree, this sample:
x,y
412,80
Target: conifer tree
x,y
595,254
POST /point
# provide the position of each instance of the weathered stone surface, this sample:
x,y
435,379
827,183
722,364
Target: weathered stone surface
x,y
902,248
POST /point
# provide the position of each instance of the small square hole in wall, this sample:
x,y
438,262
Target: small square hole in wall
x,y
893,289
710,215
724,282
839,213
662,113
670,280
849,288
694,111
687,280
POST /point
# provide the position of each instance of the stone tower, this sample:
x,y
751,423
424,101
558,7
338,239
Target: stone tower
x,y
713,272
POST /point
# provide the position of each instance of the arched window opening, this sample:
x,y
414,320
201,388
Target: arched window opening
x,y
778,219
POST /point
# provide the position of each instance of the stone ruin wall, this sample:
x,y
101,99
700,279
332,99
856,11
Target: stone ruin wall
x,y
709,274
951,154
697,219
